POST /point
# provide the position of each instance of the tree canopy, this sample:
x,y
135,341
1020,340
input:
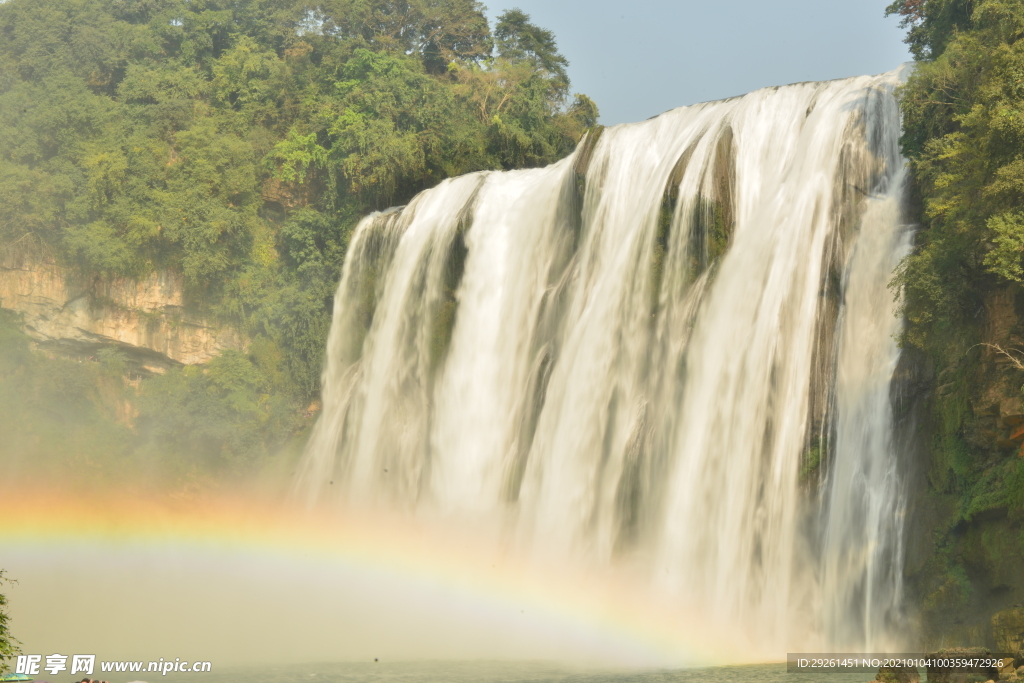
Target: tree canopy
x,y
238,142
931,24
964,135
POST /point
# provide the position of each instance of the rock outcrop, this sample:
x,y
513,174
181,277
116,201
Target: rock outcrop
x,y
1008,630
945,674
146,319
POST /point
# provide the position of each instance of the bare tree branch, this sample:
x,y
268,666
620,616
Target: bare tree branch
x,y
1017,362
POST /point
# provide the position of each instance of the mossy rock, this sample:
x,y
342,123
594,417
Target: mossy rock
x,y
1008,630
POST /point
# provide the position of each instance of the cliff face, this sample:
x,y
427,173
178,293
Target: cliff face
x,y
145,319
965,543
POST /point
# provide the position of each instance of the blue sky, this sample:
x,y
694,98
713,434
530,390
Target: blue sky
x,y
638,58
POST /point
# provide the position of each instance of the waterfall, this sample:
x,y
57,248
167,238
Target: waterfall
x,y
670,351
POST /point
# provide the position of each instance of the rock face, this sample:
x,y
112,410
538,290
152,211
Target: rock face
x,y
146,319
937,674
1008,630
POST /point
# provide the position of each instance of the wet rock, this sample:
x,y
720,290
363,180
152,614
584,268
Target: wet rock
x,y
983,406
1005,444
1017,433
1011,412
1008,630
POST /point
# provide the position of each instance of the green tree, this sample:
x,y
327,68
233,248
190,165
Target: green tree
x,y
964,135
8,644
237,143
453,31
931,24
519,40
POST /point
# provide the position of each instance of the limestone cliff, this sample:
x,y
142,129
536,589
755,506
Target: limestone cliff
x,y
146,318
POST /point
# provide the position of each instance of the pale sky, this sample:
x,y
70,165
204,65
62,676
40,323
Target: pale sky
x,y
638,58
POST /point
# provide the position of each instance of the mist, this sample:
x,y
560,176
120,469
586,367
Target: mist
x,y
237,586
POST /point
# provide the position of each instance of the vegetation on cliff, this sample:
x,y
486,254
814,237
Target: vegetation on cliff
x,y
964,135
8,644
238,143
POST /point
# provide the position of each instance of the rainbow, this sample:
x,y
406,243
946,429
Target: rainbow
x,y
54,525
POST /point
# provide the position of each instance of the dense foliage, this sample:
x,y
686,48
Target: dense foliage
x,y
237,143
963,113
8,644
964,134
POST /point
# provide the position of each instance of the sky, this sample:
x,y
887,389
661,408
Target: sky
x,y
639,58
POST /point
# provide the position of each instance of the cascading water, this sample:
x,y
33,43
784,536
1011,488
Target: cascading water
x,y
670,351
